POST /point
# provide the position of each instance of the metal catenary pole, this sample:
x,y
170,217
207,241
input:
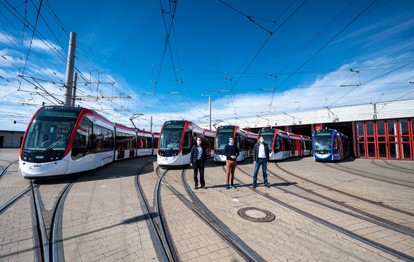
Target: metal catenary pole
x,y
70,68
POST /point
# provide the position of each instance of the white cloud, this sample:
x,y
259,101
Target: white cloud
x,y
325,90
43,46
7,39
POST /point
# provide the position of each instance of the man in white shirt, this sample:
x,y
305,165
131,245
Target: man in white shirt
x,y
260,158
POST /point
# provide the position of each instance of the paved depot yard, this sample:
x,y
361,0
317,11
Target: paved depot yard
x,y
103,219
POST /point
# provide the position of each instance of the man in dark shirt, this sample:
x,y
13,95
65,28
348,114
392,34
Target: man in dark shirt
x,y
260,158
231,151
197,161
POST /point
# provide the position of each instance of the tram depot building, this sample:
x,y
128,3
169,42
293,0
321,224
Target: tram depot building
x,y
10,139
381,130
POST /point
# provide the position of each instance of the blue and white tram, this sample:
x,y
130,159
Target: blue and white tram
x,y
176,139
62,140
330,145
283,145
244,140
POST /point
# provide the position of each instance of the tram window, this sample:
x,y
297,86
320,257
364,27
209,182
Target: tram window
x,y
108,140
140,142
148,142
97,138
155,142
133,143
82,144
277,144
187,142
239,142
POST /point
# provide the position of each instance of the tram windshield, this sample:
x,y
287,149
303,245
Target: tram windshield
x,y
268,138
50,131
171,136
222,137
323,141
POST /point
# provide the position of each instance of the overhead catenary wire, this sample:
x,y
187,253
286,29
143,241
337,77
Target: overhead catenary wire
x,y
256,53
377,77
27,24
30,43
330,41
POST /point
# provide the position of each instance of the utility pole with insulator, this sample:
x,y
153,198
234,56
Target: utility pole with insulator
x,y
70,68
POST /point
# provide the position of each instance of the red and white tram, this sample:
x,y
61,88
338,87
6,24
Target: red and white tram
x,y
283,145
62,140
243,139
177,139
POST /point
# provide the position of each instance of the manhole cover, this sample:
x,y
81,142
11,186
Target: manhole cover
x,y
256,214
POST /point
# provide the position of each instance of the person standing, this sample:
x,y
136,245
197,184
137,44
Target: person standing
x,y
197,161
260,158
231,151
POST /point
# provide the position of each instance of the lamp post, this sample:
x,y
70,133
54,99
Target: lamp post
x,y
209,102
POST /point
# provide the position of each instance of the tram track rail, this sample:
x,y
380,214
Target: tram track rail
x,y
156,222
201,211
49,227
369,175
346,193
193,203
10,202
3,169
393,167
331,225
360,214
218,226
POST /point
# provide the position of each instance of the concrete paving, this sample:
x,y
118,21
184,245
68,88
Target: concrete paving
x,y
103,220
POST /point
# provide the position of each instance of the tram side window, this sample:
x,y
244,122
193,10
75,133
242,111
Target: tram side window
x,y
133,143
187,142
155,142
82,144
140,142
108,140
121,144
148,142
239,142
97,139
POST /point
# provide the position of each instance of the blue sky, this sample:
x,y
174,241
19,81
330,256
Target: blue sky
x,y
289,56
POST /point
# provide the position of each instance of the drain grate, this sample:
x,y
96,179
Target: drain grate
x,y
255,214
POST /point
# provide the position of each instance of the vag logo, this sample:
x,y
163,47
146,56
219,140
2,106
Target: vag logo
x,y
40,157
